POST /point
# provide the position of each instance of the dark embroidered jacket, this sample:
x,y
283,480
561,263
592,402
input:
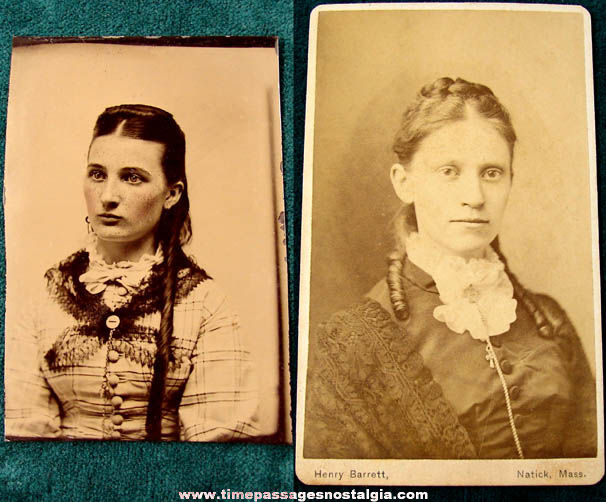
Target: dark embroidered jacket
x,y
370,394
68,378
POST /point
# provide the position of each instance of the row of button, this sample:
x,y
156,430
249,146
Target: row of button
x,y
506,368
116,402
112,322
513,391
113,356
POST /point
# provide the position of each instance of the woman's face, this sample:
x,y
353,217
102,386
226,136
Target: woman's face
x,y
125,188
459,181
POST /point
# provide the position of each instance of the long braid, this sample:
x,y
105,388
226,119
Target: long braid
x,y
395,262
163,340
522,295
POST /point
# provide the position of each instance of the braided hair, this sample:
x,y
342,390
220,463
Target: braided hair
x,y
174,228
445,101
437,104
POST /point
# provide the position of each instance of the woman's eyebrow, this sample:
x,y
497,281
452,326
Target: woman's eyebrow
x,y
138,170
488,165
447,162
95,166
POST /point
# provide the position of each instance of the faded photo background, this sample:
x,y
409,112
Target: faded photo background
x,y
371,64
226,100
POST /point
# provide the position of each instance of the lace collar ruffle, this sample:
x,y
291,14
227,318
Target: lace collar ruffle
x,y
127,274
477,295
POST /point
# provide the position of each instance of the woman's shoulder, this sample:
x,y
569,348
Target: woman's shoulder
x,y
552,309
550,317
366,310
190,276
362,321
61,278
196,286
73,263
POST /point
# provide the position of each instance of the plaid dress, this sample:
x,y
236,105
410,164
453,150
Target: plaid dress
x,y
80,367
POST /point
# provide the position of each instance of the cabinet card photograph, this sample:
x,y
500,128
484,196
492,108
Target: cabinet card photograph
x,y
449,320
146,265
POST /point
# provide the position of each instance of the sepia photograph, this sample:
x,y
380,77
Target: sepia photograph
x,y
145,256
449,316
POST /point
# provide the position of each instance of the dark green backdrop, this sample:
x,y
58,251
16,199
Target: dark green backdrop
x,y
138,471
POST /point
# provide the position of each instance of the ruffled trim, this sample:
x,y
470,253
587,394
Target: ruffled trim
x,y
95,258
477,294
128,274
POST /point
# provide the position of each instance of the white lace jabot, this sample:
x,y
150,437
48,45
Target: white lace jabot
x,y
128,274
477,294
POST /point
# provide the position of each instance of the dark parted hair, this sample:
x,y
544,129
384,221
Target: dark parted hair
x,y
174,229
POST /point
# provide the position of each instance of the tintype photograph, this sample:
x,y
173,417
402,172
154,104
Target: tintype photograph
x,y
449,323
145,248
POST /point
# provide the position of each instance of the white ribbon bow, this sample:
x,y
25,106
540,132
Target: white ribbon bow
x,y
96,280
126,273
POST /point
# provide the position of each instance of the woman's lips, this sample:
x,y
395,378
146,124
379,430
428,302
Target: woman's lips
x,y
109,219
471,222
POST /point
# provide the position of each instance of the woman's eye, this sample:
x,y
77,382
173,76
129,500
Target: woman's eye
x,y
493,174
97,175
133,178
448,171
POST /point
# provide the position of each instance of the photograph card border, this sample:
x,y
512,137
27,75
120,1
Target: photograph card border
x,y
283,431
425,472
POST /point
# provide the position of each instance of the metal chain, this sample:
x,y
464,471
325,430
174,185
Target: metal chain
x,y
492,357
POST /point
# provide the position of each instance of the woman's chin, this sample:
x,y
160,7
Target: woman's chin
x,y
117,237
469,248
109,236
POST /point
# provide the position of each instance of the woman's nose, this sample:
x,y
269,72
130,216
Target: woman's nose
x,y
110,195
472,191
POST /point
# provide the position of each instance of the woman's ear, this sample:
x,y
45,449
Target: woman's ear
x,y
174,194
402,183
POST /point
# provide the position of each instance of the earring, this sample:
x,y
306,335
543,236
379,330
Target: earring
x,y
88,228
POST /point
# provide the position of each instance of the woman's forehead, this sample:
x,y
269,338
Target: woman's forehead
x,y
119,151
473,139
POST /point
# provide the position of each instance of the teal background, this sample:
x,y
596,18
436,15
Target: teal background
x,y
143,471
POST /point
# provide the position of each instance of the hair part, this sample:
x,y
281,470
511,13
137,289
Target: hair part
x,y
445,101
174,228
439,103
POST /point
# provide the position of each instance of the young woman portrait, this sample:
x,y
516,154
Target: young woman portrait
x,y
449,355
131,338
144,299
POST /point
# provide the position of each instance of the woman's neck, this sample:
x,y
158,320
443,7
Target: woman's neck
x,y
430,245
113,251
430,256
